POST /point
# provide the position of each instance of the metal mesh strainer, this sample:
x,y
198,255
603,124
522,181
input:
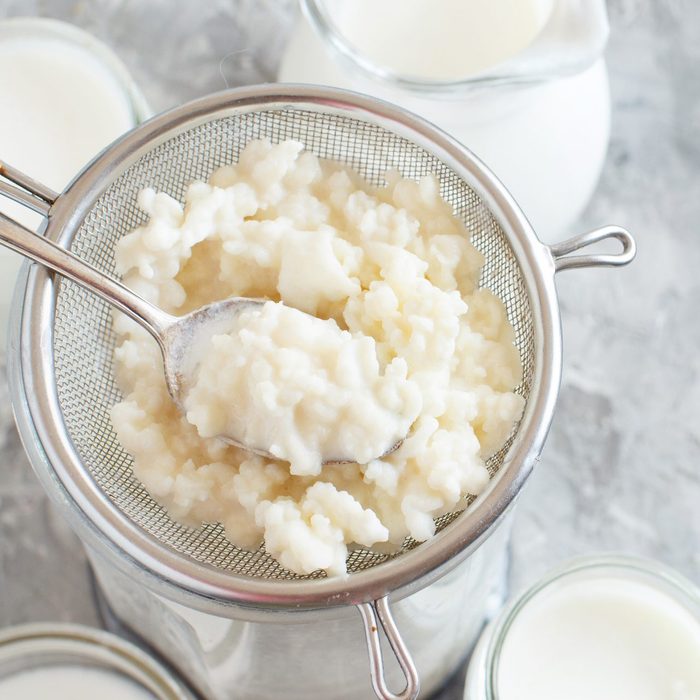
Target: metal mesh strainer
x,y
87,390
68,363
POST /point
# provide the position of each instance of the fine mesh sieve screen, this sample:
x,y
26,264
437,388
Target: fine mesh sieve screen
x,y
83,337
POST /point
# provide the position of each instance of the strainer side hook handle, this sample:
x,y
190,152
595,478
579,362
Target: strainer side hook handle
x,y
563,260
16,237
373,615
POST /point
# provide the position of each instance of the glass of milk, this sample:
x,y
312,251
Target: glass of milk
x,y
65,96
609,628
521,83
71,662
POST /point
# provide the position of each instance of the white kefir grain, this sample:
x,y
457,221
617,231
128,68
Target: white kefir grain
x,y
300,388
424,349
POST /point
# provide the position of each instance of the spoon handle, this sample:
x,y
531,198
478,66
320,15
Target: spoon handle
x,y
46,252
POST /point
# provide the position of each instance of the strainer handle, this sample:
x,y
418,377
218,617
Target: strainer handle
x,y
379,610
564,261
30,193
42,250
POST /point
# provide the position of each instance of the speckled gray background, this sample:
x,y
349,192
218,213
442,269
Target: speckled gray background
x,y
621,468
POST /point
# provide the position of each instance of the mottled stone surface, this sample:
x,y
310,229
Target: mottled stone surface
x,y
620,471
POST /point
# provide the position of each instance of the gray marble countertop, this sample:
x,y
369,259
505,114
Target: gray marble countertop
x,y
620,471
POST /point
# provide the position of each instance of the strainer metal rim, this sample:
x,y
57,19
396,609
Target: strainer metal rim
x,y
39,416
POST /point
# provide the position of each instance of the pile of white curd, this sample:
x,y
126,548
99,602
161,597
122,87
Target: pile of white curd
x,y
406,344
301,389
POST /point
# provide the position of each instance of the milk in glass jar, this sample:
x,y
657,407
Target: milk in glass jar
x,y
65,96
522,83
604,627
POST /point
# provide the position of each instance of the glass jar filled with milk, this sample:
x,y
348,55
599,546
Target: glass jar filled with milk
x,y
521,83
609,628
65,96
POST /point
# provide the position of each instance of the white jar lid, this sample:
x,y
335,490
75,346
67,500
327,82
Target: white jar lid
x,y
100,663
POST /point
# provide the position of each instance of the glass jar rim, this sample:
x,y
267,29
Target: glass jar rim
x,y
620,564
503,73
29,647
49,28
325,27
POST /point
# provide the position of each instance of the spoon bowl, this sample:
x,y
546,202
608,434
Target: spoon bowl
x,y
180,338
185,339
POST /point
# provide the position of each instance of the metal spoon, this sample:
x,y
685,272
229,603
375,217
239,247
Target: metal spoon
x,y
178,337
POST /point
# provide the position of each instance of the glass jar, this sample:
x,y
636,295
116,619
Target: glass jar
x,y
306,655
540,120
650,581
48,114
107,663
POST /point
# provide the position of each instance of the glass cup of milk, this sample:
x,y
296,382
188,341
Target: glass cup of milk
x,y
522,83
608,628
65,96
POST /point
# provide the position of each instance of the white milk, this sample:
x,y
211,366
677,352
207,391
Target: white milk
x,y
60,107
70,683
440,39
601,639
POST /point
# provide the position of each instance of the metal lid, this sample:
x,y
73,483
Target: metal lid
x,y
28,648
